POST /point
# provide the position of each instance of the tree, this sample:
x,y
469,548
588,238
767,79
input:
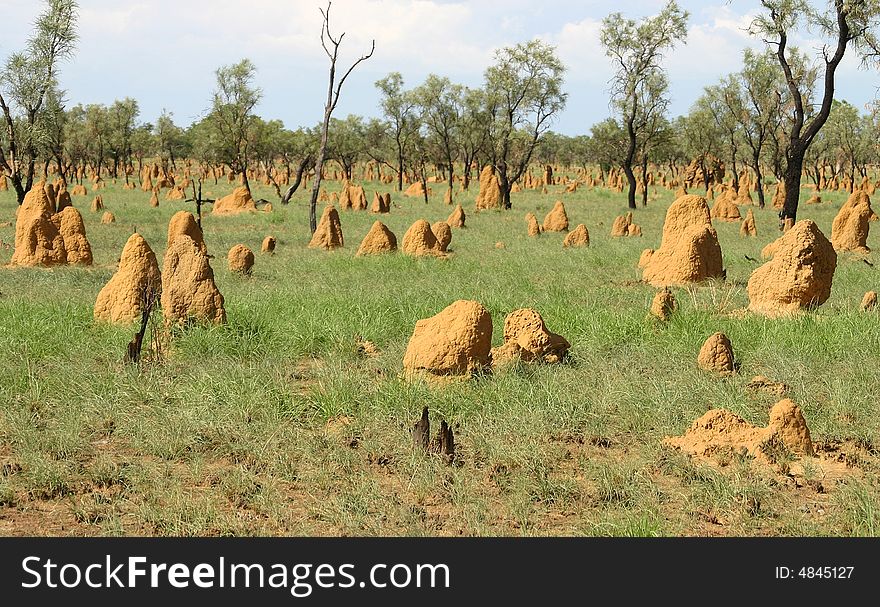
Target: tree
x,y
122,117
399,108
846,22
636,50
232,115
25,81
473,130
333,91
346,142
441,107
170,138
523,95
607,144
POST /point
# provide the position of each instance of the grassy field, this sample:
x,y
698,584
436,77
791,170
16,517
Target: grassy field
x,y
274,424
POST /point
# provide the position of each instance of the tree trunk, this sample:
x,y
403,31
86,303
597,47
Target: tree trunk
x,y
295,185
756,159
628,161
792,177
645,180
319,163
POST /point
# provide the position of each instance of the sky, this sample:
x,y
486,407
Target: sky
x,y
164,52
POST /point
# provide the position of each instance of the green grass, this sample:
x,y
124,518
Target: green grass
x,y
228,434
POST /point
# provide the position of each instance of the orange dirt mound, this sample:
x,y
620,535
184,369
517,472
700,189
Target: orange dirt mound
x,y
556,220
358,197
184,222
268,245
716,355
79,190
135,282
154,199
489,196
663,304
719,431
97,204
328,235
73,232
240,259
62,201
457,218
379,205
457,341
188,289
526,338
725,208
176,193
420,240
869,301
849,231
534,228
443,233
37,239
620,227
416,189
108,218
377,241
748,227
239,201
579,237
799,275
689,250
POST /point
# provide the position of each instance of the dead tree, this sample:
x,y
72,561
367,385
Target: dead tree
x,y
329,42
197,198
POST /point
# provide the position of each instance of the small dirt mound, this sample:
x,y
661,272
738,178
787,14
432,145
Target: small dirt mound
x,y
379,204
633,229
798,276
358,197
377,241
716,355
37,239
849,230
748,227
447,197
814,199
720,431
240,259
457,341
534,228
526,338
268,245
135,282
760,383
97,204
443,233
176,193
108,218
725,208
184,222
240,201
579,237
79,190
621,224
154,199
556,220
457,218
416,190
689,250
420,240
663,304
869,301
188,289
489,196
73,232
328,235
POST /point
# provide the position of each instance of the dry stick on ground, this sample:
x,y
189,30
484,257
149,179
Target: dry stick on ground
x,y
332,100
148,300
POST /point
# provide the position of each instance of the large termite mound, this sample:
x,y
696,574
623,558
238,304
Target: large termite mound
x,y
798,276
689,250
328,234
849,231
489,196
184,222
716,355
420,240
240,259
136,282
377,241
189,293
457,218
579,237
37,239
721,432
556,220
527,338
73,232
457,341
239,201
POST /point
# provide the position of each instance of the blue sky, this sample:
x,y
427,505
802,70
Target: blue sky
x,y
164,52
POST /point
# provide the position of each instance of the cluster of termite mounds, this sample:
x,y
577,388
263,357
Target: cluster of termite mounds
x,y
457,342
